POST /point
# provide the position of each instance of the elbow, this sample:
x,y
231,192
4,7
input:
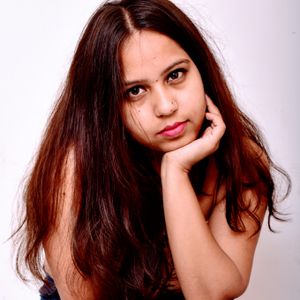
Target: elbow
x,y
216,294
227,287
225,290
222,295
230,291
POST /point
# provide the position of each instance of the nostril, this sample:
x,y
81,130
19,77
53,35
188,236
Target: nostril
x,y
166,107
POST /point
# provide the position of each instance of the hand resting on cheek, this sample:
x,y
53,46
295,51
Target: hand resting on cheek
x,y
185,157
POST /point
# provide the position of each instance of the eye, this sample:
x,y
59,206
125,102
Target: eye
x,y
176,75
135,91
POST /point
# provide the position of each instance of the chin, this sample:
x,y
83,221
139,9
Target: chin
x,y
176,144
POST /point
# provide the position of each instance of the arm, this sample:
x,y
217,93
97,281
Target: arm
x,y
211,261
59,263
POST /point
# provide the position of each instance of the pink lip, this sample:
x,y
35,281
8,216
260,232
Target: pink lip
x,y
173,130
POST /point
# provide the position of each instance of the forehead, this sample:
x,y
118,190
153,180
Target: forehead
x,y
146,53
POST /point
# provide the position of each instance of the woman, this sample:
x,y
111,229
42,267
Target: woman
x,y
150,183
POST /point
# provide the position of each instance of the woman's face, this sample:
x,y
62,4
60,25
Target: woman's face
x,y
165,99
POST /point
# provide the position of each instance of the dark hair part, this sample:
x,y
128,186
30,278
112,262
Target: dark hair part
x,y
117,194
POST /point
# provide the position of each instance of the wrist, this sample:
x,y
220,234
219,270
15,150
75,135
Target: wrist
x,y
170,165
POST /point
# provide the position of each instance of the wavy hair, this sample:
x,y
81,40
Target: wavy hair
x,y
119,234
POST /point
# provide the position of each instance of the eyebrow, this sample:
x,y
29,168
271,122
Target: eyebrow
x,y
165,71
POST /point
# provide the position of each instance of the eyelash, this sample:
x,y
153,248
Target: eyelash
x,y
177,71
128,95
139,87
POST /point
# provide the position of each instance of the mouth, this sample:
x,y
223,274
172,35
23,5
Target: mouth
x,y
173,130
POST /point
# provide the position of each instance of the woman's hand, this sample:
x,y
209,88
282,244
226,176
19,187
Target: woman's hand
x,y
185,157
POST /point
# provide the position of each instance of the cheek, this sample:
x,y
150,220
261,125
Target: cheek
x,y
201,108
199,101
195,105
133,118
195,101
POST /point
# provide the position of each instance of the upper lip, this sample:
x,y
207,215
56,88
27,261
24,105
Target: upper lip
x,y
170,127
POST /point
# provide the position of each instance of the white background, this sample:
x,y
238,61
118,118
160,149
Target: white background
x,y
259,41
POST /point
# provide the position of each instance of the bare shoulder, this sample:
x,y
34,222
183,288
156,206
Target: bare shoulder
x,y
58,251
64,197
65,200
57,246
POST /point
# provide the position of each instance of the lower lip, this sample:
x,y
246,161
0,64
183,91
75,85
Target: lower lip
x,y
175,132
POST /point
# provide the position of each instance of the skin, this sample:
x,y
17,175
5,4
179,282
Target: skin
x,y
211,261
58,258
165,87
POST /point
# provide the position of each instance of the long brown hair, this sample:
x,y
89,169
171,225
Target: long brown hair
x,y
119,233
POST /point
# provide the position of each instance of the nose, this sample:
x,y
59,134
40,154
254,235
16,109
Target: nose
x,y
165,103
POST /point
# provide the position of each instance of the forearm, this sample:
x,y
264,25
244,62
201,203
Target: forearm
x,y
202,267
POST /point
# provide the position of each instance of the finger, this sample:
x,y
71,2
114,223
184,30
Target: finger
x,y
207,131
214,118
211,106
217,123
